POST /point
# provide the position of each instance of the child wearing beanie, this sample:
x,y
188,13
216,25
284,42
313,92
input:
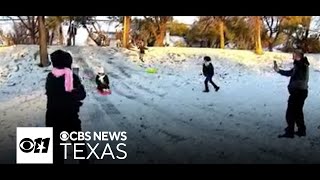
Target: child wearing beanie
x,y
208,72
102,82
64,95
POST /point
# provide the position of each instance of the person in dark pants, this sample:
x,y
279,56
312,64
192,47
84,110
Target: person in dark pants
x,y
208,72
298,90
142,49
64,95
72,32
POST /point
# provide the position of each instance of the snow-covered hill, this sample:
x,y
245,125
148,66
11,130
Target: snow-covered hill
x,y
167,116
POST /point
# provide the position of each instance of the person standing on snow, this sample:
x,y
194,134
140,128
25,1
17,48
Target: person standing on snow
x,y
64,95
208,72
118,43
298,90
142,49
72,32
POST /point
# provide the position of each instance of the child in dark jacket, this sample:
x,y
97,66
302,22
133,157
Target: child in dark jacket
x,y
64,95
208,72
102,81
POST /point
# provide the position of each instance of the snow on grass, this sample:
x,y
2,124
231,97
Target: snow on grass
x,y
167,112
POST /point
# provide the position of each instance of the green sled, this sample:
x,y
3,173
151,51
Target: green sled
x,y
151,70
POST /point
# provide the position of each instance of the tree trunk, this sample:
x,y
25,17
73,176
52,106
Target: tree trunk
x,y
201,43
276,37
43,42
91,37
159,40
33,31
305,40
258,36
160,37
221,31
48,36
270,41
126,31
270,45
33,38
60,34
52,37
210,43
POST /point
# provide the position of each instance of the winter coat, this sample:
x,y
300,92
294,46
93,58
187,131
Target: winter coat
x,y
72,30
63,107
299,75
142,49
102,81
207,69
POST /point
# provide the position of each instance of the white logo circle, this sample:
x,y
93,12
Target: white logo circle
x,y
64,136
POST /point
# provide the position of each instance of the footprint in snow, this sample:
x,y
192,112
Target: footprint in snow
x,y
143,126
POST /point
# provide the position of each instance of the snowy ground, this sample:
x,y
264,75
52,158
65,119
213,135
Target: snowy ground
x,y
167,117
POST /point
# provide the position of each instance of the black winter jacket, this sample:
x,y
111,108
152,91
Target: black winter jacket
x,y
208,70
299,75
102,84
63,107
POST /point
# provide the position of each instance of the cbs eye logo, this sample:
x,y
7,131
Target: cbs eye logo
x,y
38,145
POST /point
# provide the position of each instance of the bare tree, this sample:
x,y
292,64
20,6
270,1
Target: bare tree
x,y
54,24
6,38
20,34
97,36
274,26
306,23
297,29
216,22
43,42
158,27
31,23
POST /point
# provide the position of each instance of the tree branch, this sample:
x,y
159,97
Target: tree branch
x,y
157,21
22,21
267,21
10,18
154,32
147,18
